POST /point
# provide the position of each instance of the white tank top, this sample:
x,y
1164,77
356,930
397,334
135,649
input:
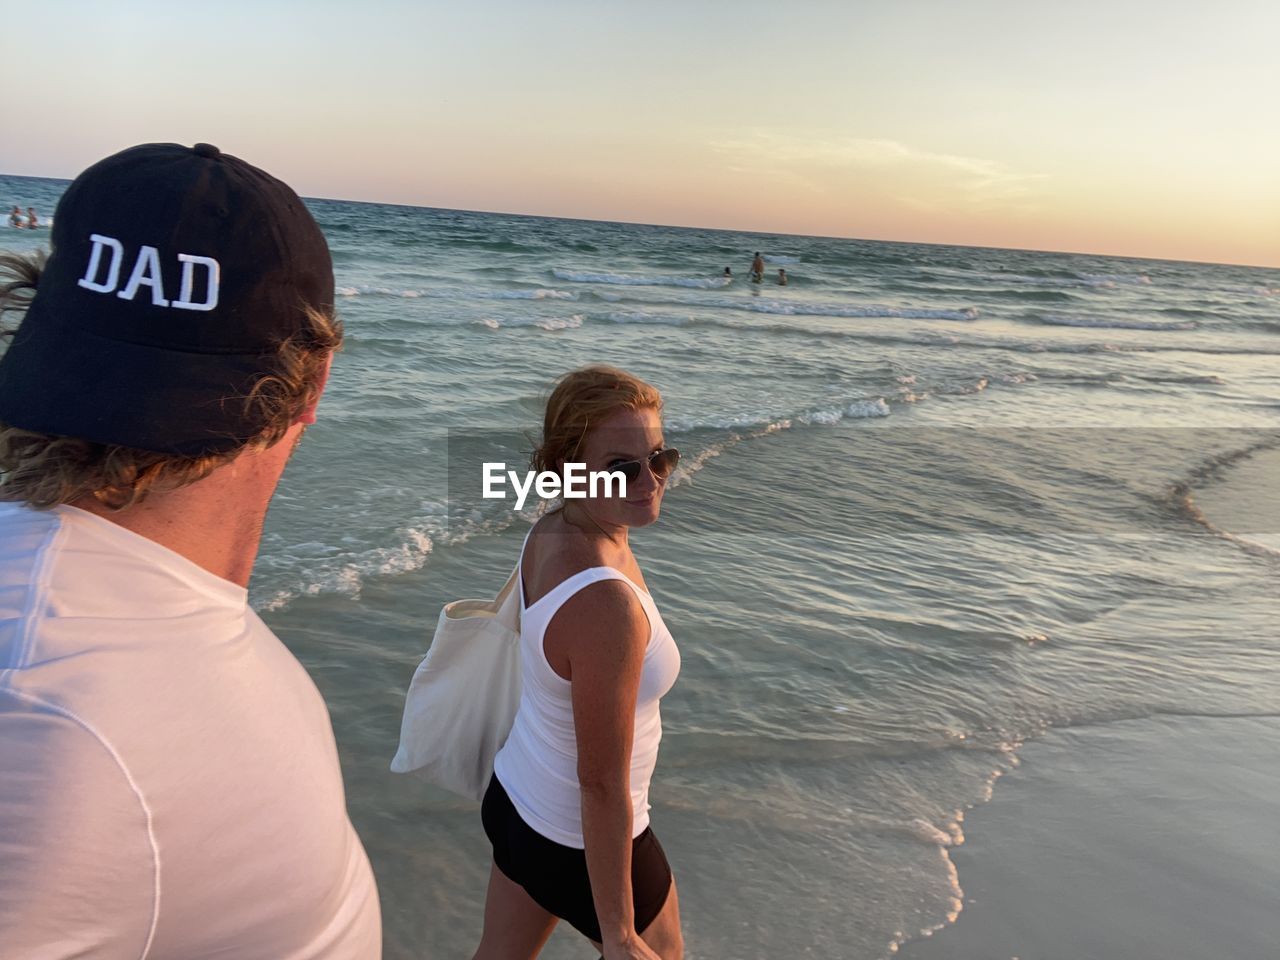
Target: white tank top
x,y
538,765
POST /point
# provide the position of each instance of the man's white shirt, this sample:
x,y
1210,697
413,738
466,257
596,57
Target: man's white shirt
x,y
169,782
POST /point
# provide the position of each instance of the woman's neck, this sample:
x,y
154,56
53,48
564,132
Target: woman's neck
x,y
579,518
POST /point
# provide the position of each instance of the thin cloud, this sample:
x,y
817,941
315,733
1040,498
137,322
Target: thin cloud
x,y
978,184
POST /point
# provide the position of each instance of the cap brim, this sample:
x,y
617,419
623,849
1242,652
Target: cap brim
x,y
71,383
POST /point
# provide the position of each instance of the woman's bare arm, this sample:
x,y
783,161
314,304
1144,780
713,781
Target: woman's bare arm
x,y
602,632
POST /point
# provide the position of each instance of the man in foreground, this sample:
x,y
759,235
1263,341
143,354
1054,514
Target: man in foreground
x,y
170,782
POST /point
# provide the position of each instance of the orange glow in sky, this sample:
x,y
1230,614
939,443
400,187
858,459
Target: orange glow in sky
x,y
1130,127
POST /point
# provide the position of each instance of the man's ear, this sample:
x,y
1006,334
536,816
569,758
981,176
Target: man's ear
x,y
308,416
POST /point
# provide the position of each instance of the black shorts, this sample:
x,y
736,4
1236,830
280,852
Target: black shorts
x,y
555,876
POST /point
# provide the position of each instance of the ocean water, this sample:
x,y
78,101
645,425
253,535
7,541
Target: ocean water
x,y
934,502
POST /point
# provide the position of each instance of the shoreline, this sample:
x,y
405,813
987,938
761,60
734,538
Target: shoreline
x,y
1142,839
1240,502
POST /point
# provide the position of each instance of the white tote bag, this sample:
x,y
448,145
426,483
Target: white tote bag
x,y
464,695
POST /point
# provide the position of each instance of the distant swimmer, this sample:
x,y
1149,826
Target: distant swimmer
x,y
782,277
728,274
757,268
15,217
32,220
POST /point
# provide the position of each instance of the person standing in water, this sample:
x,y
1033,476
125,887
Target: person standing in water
x,y
782,277
32,220
757,268
15,216
567,809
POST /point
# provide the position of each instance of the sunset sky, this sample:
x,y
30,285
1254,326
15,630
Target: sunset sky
x,y
1126,127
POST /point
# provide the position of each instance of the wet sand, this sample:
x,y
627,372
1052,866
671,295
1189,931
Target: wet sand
x,y
1153,839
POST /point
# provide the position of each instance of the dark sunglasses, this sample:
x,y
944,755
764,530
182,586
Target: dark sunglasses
x,y
660,462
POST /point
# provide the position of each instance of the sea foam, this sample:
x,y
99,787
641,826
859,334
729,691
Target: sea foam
x,y
1117,323
543,323
458,293
632,280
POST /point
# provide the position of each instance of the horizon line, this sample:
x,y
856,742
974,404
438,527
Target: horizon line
x,y
776,233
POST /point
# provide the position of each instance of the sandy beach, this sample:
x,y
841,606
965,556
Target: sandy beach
x,y
1142,839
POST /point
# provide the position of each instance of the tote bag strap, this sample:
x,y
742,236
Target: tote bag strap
x,y
509,599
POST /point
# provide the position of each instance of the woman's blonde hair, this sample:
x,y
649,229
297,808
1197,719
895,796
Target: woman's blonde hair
x,y
581,400
45,470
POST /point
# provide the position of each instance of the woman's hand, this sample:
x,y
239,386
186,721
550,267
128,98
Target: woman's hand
x,y
633,948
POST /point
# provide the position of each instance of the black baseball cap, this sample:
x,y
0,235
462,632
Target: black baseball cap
x,y
174,274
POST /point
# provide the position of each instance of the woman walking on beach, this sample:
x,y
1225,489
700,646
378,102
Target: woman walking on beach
x,y
567,811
